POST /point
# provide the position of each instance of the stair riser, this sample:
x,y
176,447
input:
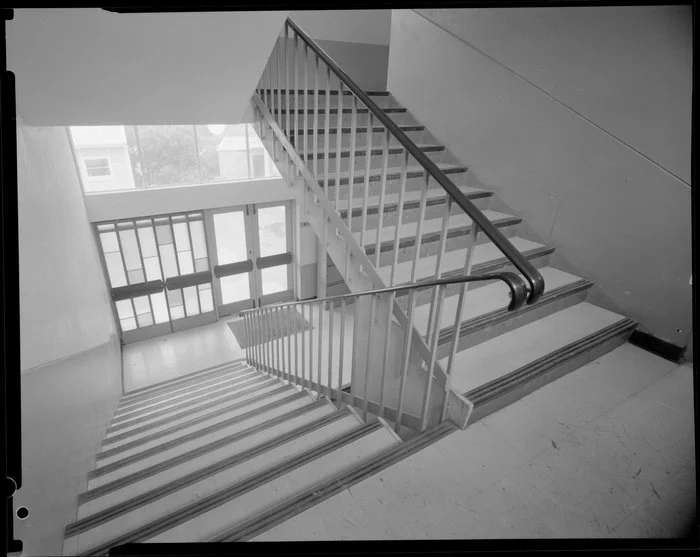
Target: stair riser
x,y
376,161
417,136
361,118
382,101
515,320
512,395
412,185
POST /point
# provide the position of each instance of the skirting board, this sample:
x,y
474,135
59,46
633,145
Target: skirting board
x,y
657,346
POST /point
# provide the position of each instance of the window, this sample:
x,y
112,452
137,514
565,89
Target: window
x,y
98,167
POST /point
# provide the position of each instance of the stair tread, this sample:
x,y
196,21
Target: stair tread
x,y
452,261
193,463
430,226
485,299
444,166
196,442
409,197
501,355
393,146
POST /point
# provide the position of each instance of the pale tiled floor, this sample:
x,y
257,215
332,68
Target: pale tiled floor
x,y
606,451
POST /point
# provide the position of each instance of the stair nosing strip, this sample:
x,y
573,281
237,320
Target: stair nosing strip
x,y
143,391
205,504
168,488
195,421
524,374
504,314
326,489
182,398
158,467
203,382
260,383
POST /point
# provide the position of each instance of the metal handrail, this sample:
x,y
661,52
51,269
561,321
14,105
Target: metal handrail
x,y
515,283
531,274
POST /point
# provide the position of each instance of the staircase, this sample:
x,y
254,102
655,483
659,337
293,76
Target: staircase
x,y
221,454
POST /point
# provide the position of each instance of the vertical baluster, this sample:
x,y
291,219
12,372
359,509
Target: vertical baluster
x,y
370,328
271,337
331,313
297,345
341,352
279,83
399,215
273,93
327,136
419,231
315,123
320,346
295,132
368,162
249,339
385,163
433,356
262,338
355,328
305,119
405,360
303,346
387,344
253,337
351,163
338,142
278,338
286,78
311,346
290,332
270,345
438,265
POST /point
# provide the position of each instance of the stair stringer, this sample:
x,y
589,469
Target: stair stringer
x,y
357,270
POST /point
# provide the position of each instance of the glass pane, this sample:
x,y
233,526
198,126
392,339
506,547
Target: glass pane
x,y
109,242
199,245
191,304
185,260
177,312
132,146
201,264
130,249
235,288
128,324
209,139
272,226
124,309
145,319
167,257
141,305
104,157
232,153
262,165
274,279
115,269
165,235
168,154
160,307
136,276
152,268
148,242
205,297
182,240
229,229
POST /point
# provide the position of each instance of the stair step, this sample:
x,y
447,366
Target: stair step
x,y
375,174
480,371
256,527
223,466
236,494
394,149
169,417
435,196
486,256
179,382
123,487
237,382
458,225
243,424
360,129
181,430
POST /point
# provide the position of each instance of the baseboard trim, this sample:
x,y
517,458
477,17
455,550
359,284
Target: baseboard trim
x,y
655,345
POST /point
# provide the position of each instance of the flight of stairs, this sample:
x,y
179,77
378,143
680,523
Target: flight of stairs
x,y
501,355
221,455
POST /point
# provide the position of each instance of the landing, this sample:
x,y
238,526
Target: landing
x,y
606,451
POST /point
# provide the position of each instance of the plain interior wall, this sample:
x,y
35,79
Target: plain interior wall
x,y
620,219
90,66
355,26
64,303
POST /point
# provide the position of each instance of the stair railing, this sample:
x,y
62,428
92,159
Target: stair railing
x,y
290,341
286,68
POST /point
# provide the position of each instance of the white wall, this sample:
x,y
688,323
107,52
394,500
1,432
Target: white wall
x,y
620,219
89,66
355,26
64,304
